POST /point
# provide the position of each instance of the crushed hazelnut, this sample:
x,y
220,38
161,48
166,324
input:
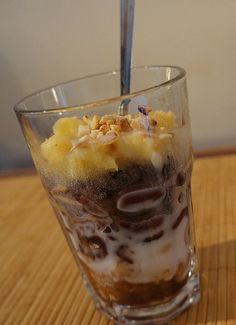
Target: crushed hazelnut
x,y
115,128
108,138
107,128
104,128
105,118
95,122
99,135
84,139
94,134
83,130
86,119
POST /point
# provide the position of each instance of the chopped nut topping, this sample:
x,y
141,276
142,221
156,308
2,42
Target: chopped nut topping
x,y
95,122
84,139
100,134
106,118
108,138
115,127
143,137
86,119
94,133
83,130
104,128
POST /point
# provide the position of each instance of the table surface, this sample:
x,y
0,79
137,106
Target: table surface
x,y
40,282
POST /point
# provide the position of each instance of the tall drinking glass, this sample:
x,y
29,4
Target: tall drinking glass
x,y
120,186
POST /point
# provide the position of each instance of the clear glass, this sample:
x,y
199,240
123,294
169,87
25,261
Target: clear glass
x,y
120,186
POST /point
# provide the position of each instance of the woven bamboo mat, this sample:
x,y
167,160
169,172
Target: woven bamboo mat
x,y
39,280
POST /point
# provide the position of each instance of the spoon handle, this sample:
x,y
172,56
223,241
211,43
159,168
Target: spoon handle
x,y
126,37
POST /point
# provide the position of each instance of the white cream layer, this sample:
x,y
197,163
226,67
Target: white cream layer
x,y
152,261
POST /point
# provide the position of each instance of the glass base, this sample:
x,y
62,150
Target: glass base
x,y
159,314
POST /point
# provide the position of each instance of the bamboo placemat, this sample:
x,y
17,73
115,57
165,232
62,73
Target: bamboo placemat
x,y
40,282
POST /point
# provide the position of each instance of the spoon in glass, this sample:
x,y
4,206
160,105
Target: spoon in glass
x,y
126,38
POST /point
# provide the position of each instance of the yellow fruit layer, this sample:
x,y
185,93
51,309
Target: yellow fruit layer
x,y
81,148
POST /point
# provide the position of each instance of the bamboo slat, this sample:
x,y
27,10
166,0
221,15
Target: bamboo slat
x,y
40,282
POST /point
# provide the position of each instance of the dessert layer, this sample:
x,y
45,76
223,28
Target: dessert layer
x,y
148,256
120,188
143,238
81,148
136,294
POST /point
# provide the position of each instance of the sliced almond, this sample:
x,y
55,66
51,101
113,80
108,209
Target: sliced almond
x,y
108,138
112,132
115,128
124,125
94,133
110,121
100,134
105,118
74,147
83,130
86,119
104,128
95,122
84,139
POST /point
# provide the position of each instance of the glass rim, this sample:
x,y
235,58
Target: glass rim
x,y
181,74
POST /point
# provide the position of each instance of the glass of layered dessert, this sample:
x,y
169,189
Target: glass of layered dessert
x,y
117,171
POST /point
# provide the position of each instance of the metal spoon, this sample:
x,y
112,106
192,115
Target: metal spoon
x,y
126,38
